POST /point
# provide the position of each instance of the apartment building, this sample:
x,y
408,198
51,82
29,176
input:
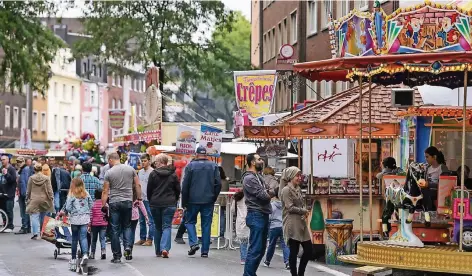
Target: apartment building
x,y
304,25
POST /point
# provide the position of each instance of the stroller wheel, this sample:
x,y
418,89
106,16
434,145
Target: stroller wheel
x,y
55,253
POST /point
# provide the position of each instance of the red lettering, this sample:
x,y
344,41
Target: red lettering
x,y
238,91
271,91
265,90
252,91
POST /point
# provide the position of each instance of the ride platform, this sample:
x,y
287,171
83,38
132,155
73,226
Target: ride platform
x,y
441,258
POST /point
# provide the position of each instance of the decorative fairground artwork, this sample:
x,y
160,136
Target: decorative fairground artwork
x,y
339,240
355,35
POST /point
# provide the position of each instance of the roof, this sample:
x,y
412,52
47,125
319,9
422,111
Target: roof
x,y
447,111
343,108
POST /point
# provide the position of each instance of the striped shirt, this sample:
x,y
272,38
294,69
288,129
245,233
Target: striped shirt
x,y
91,184
98,217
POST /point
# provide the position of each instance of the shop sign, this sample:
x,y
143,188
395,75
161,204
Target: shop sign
x,y
117,118
255,91
211,139
186,139
147,137
332,158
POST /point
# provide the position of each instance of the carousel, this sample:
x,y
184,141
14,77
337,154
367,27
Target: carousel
x,y
426,44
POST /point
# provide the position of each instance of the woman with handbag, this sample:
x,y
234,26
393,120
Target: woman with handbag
x,y
39,197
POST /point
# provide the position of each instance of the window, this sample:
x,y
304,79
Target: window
x,y
96,127
72,123
119,105
23,118
132,83
327,9
284,32
94,70
113,104
120,83
55,123
113,79
140,110
100,70
7,116
362,5
274,44
312,18
43,121
92,98
35,120
72,92
66,123
84,68
342,8
55,90
293,28
144,85
86,98
15,117
265,49
64,92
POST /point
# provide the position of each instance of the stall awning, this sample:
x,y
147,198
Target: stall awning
x,y
441,111
56,153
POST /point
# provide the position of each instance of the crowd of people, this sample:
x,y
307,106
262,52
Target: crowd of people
x,y
109,202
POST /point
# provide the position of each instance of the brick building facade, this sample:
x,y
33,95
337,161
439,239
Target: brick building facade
x,y
304,25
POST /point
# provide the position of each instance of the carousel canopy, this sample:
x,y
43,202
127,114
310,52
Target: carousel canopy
x,y
429,43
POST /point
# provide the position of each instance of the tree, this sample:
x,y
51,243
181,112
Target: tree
x,y
26,47
166,34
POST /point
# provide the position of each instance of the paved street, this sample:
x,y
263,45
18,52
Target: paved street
x,y
21,256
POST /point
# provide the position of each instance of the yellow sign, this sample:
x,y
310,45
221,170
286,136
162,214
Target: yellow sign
x,y
215,223
255,91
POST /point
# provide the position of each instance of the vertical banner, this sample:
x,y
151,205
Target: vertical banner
x,y
134,122
255,91
25,139
211,138
186,139
117,118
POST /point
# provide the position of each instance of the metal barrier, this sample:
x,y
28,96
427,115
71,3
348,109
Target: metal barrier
x,y
229,223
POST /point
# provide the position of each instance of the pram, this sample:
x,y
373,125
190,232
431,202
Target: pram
x,y
63,239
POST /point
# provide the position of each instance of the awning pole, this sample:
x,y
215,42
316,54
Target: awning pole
x,y
311,166
299,154
370,158
361,214
464,121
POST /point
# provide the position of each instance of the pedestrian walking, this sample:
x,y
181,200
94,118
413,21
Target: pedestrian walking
x,y
39,198
201,186
146,232
118,187
91,182
23,177
257,197
238,207
99,223
77,172
78,207
8,188
138,206
276,232
164,191
295,228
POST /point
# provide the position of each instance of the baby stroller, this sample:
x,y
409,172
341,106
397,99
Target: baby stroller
x,y
63,240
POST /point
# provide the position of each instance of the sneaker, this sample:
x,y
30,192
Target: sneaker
x,y
159,255
35,237
92,256
128,254
204,255
179,240
243,262
115,260
165,254
73,265
266,264
83,265
140,242
8,230
104,254
147,243
193,249
22,232
287,266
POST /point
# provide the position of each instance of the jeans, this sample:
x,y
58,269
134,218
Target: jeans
x,y
206,215
8,205
25,218
120,219
182,229
37,222
143,228
294,247
163,221
79,235
274,235
243,249
134,224
258,224
57,201
99,231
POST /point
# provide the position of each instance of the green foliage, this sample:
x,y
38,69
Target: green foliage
x,y
166,34
26,47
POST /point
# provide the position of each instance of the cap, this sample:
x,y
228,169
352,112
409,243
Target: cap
x,y
20,160
201,150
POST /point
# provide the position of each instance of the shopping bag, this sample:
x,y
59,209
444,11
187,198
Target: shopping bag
x,y
178,215
48,232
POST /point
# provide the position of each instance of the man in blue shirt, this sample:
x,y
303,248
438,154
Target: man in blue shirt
x,y
91,182
24,174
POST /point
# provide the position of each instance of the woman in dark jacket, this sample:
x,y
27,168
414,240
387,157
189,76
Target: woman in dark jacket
x,y
163,193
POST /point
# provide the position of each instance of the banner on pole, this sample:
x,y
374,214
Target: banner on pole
x,y
186,139
117,118
255,91
211,139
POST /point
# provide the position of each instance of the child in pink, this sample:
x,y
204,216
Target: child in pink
x,y
137,205
99,223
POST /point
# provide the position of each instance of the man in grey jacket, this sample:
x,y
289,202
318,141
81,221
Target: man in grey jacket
x,y
257,195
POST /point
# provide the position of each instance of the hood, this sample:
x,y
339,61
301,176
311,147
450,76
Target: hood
x,y
277,204
164,171
39,179
248,173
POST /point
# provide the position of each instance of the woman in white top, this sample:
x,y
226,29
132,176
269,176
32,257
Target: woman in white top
x,y
436,167
242,231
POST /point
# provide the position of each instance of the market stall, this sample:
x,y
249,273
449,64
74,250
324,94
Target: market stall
x,y
428,43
